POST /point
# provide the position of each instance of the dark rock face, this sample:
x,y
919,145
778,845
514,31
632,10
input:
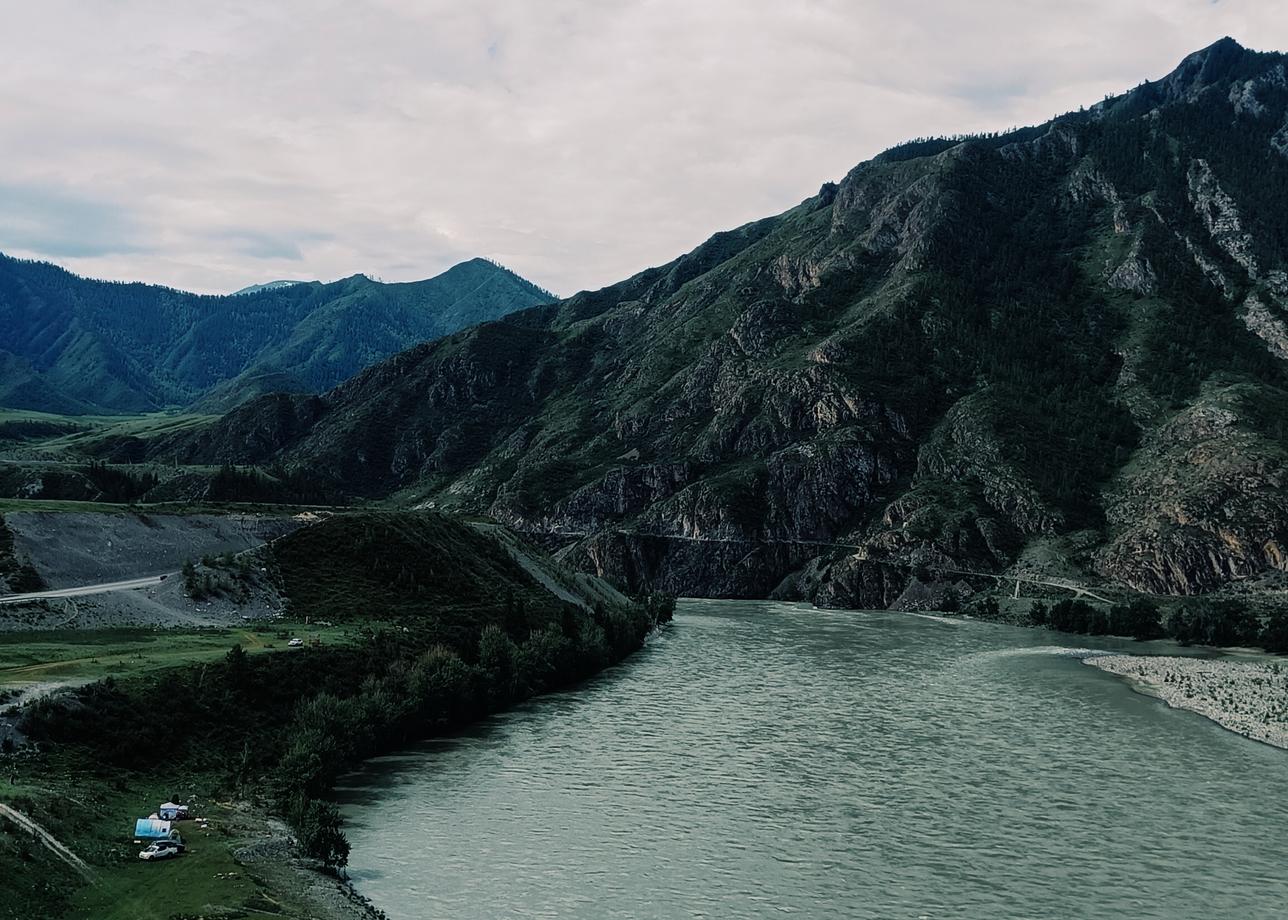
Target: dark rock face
x,y
689,567
1206,503
950,361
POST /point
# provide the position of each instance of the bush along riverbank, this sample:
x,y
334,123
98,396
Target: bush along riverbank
x,y
1190,621
427,654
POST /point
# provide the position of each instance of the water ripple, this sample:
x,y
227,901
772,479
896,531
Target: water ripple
x,y
763,759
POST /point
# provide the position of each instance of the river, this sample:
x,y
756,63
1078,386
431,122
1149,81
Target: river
x,y
761,759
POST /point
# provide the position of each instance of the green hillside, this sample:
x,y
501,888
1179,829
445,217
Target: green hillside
x,y
76,346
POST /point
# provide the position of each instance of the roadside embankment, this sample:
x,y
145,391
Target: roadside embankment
x,y
1247,697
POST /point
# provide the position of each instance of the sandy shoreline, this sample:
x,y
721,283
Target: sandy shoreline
x,y
1248,698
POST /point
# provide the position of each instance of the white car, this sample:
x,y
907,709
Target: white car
x,y
295,643
161,849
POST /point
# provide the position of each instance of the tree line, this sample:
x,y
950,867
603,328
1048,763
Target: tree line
x,y
1206,621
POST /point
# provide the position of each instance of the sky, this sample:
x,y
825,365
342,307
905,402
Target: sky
x,y
211,145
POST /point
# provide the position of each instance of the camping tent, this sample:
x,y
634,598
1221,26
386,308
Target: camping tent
x,y
172,812
151,829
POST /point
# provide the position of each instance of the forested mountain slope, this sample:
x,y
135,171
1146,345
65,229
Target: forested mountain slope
x,y
1068,340
72,344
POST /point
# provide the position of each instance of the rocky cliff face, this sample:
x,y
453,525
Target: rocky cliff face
x,y
962,349
1205,501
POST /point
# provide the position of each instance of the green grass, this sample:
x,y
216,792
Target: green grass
x,y
94,427
92,810
79,656
190,884
96,822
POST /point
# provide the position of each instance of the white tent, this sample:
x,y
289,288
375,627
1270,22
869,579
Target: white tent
x,y
171,811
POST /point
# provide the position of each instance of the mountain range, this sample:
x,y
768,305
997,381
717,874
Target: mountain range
x,y
74,345
1061,349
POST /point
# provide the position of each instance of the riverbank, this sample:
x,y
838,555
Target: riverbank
x,y
1248,698
269,852
430,626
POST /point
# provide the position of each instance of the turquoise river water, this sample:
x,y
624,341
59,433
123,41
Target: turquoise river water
x,y
764,760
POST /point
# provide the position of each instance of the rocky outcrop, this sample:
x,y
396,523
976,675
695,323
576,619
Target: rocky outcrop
x,y
848,581
1205,503
968,446
688,567
1265,325
1135,274
1087,184
1220,215
619,495
1279,140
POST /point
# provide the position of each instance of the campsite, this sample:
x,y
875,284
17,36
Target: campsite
x,y
97,821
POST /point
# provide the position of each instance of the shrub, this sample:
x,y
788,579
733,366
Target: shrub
x,y
317,828
1139,619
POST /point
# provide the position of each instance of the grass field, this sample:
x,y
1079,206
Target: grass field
x,y
66,657
93,427
97,825
202,881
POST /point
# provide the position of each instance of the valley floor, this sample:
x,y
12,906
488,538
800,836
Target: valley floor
x,y
1247,697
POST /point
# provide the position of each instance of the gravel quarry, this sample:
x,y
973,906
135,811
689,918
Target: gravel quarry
x,y
72,549
82,548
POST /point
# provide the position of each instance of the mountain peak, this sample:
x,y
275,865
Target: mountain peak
x,y
1223,45
268,286
1203,68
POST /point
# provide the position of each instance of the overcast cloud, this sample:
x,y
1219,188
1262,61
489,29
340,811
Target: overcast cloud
x,y
216,144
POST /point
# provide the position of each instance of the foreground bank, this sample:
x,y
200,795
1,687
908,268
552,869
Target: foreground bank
x,y
1249,698
440,624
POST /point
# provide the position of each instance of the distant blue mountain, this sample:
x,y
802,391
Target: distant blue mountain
x,y
73,345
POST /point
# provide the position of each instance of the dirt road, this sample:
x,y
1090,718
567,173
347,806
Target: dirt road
x,y
103,588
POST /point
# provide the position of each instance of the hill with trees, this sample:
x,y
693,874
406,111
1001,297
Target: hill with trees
x,y
74,345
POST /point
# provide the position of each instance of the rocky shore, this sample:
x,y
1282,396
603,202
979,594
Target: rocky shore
x,y
1250,698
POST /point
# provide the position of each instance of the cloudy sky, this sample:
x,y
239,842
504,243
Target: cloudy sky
x,y
209,145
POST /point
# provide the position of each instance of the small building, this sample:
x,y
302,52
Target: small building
x,y
171,811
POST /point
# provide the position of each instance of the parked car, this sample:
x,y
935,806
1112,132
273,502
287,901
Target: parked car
x,y
161,849
296,642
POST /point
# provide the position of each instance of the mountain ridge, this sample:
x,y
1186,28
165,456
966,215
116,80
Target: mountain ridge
x,y
995,352
78,345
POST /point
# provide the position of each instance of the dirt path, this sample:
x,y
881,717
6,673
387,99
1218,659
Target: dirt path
x,y
50,842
